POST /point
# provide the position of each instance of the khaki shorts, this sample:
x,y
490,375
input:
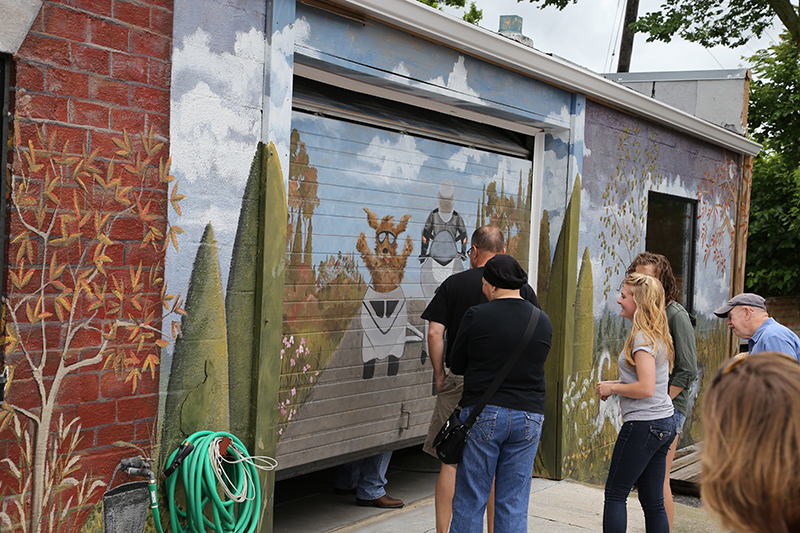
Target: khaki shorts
x,y
446,402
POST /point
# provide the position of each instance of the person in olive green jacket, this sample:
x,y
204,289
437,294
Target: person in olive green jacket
x,y
684,370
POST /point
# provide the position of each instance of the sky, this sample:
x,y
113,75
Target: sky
x,y
582,32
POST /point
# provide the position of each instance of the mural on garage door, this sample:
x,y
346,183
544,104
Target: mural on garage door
x,y
355,284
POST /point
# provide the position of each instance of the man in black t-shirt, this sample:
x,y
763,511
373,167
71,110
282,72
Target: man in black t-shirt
x,y
453,298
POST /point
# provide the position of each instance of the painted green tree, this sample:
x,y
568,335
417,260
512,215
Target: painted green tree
x,y
560,300
543,274
240,302
580,401
509,213
197,395
625,202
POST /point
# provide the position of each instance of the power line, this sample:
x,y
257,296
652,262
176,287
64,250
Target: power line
x,y
619,16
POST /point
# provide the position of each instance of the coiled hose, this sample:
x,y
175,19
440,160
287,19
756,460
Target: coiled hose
x,y
220,480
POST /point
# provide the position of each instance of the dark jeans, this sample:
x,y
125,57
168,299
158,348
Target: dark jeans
x,y
639,457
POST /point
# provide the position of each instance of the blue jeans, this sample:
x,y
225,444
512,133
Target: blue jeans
x,y
680,419
501,446
639,457
367,476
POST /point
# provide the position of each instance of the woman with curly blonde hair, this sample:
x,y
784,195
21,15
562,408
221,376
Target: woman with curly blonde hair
x,y
648,427
751,452
684,368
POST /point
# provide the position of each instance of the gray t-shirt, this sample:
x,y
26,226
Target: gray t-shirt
x,y
659,405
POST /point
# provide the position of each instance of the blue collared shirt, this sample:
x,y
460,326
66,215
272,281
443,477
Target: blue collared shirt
x,y
774,337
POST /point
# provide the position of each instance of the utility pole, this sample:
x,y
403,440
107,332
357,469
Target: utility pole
x,y
626,43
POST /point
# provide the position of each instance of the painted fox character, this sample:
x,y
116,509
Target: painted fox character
x,y
386,267
384,316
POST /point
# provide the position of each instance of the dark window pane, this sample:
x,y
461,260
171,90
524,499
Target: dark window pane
x,y
671,232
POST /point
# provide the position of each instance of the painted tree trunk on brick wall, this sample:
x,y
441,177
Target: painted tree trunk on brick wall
x,y
88,228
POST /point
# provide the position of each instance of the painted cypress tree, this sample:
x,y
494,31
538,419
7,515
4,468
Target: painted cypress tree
x,y
197,395
583,355
544,259
240,303
560,301
562,284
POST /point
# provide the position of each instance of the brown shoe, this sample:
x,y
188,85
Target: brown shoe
x,y
384,502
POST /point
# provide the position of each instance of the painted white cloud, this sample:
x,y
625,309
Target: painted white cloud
x,y
211,139
279,104
241,72
394,159
577,125
712,290
460,159
223,220
402,70
216,114
457,79
502,171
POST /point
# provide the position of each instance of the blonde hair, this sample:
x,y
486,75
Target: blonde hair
x,y
650,317
751,455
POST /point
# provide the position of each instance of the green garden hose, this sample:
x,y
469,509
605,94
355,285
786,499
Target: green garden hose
x,y
220,481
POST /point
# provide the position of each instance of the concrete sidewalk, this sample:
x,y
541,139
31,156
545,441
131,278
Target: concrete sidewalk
x,y
555,507
308,504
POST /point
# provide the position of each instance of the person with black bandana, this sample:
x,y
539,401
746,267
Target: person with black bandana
x,y
453,298
502,444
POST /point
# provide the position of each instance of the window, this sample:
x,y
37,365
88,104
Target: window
x,y
671,230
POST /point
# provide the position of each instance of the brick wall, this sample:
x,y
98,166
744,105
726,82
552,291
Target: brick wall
x,y
88,71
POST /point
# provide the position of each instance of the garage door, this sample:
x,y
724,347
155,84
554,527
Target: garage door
x,y
382,199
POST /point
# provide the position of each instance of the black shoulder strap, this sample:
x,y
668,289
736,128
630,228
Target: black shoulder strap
x,y
501,376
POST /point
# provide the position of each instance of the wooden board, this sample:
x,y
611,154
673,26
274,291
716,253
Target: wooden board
x,y
686,470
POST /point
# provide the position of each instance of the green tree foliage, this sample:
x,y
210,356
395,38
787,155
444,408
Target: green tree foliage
x,y
473,15
710,22
583,354
773,246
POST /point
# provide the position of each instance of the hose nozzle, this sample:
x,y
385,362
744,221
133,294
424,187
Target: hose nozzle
x,y
184,450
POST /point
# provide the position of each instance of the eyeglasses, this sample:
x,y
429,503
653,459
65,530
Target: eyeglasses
x,y
386,235
738,360
469,250
730,313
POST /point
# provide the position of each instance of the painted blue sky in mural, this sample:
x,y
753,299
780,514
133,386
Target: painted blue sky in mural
x,y
393,174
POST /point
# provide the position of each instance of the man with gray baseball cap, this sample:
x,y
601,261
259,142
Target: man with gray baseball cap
x,y
747,316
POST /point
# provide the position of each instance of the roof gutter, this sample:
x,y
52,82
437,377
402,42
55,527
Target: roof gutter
x,y
419,19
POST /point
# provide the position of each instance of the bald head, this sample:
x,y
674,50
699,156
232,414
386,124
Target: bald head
x,y
487,241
